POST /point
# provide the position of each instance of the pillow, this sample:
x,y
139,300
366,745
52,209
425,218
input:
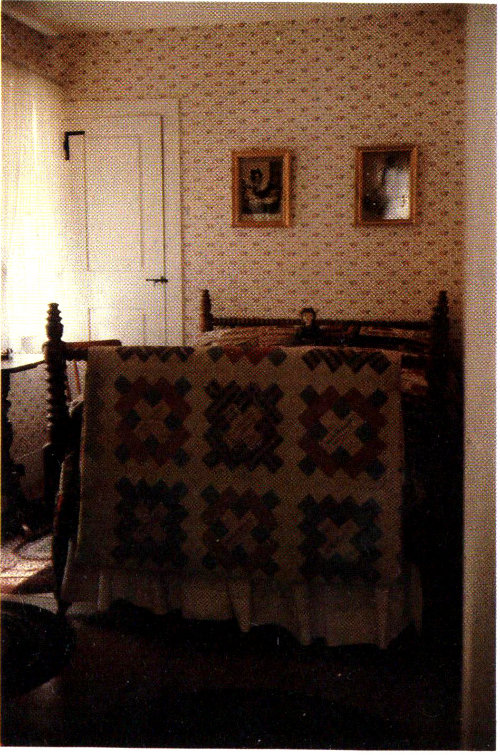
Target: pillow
x,y
268,336
259,336
399,339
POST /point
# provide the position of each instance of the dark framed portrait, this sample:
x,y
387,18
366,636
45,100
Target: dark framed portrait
x,y
261,188
386,179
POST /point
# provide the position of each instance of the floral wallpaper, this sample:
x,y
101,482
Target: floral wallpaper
x,y
321,87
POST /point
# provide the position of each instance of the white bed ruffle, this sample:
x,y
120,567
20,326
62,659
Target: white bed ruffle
x,y
336,613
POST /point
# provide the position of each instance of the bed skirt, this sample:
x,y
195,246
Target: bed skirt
x,y
336,613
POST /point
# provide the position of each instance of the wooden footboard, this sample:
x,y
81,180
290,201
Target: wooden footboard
x,y
58,353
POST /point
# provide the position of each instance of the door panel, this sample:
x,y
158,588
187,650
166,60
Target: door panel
x,y
113,203
116,231
131,329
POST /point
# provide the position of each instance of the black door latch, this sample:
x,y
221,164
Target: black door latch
x,y
67,134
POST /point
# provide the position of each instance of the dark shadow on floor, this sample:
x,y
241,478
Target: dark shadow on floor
x,y
139,680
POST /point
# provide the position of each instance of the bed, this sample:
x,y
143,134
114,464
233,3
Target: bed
x,y
263,525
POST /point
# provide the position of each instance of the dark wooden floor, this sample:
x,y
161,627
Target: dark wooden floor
x,y
129,660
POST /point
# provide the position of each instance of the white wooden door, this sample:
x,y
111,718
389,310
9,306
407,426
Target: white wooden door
x,y
122,229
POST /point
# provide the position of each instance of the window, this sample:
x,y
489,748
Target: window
x,y
32,161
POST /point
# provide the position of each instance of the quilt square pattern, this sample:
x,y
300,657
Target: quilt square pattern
x,y
239,533
152,420
243,426
283,465
149,526
340,538
342,432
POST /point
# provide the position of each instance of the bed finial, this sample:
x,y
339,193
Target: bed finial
x,y
437,371
54,326
440,327
206,317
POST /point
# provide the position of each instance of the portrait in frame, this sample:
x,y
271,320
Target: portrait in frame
x,y
386,180
261,188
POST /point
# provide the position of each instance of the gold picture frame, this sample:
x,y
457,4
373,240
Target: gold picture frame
x,y
386,181
261,188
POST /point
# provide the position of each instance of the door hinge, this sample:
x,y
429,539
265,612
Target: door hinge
x,y
67,134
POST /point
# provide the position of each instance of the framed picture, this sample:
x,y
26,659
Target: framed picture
x,y
386,179
261,188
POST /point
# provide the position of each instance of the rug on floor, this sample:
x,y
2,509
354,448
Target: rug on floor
x,y
26,566
36,645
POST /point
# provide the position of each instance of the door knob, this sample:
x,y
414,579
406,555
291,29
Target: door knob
x,y
158,280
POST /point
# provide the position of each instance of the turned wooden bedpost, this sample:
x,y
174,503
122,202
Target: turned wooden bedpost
x,y
444,475
57,409
206,317
57,434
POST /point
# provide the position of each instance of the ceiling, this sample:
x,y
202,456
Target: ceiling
x,y
62,16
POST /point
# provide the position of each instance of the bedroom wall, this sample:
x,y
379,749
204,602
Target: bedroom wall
x,y
320,87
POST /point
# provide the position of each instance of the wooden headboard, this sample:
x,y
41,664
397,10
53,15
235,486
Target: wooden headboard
x,y
437,325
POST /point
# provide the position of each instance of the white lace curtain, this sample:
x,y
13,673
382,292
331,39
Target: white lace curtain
x,y
32,195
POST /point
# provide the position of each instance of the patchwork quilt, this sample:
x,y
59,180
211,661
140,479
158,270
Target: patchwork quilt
x,y
256,464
